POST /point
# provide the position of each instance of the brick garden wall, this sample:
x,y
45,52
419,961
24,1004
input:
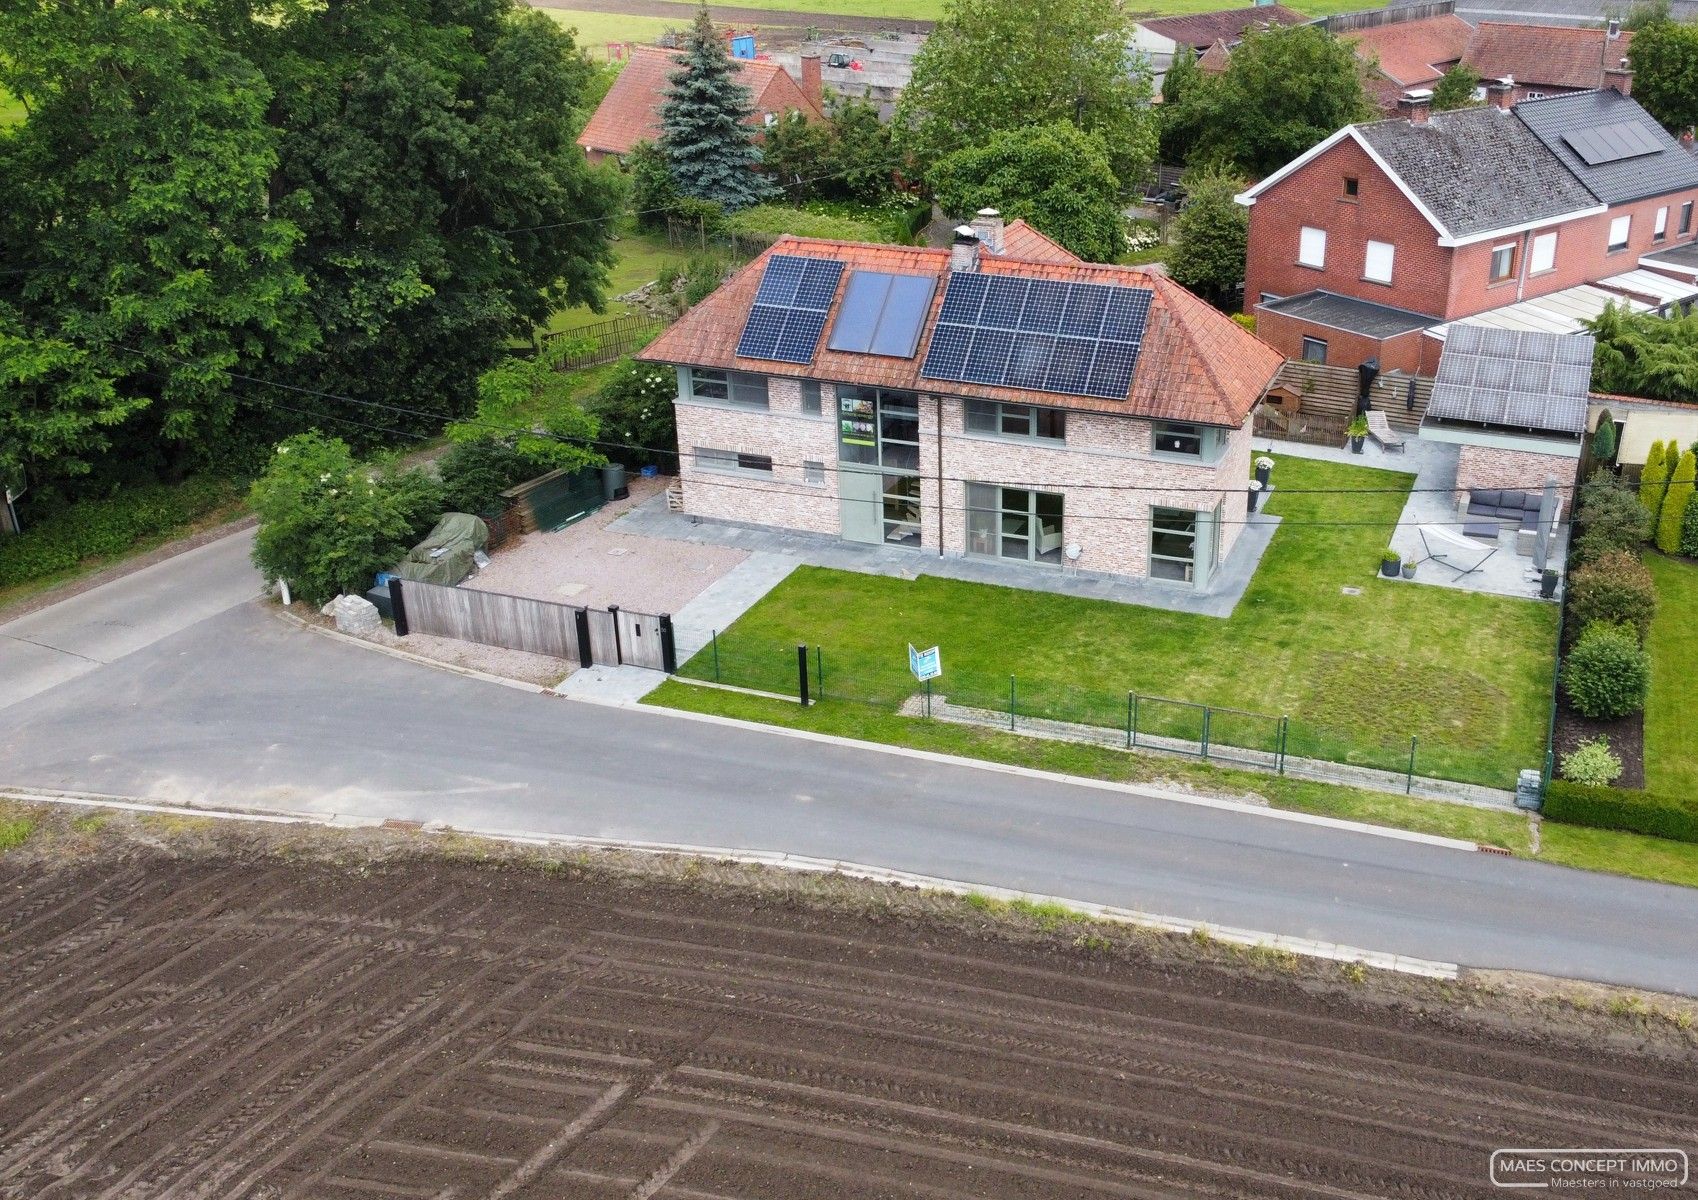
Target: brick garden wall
x,y
1490,467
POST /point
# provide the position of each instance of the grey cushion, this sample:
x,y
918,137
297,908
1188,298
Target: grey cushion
x,y
1485,499
1476,509
1514,500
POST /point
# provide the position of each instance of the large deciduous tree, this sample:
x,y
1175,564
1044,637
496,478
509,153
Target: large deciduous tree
x,y
1664,58
140,253
1054,176
1211,236
1456,88
706,138
1283,90
997,65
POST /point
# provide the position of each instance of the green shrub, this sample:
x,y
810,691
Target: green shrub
x,y
1607,672
1676,501
328,524
780,219
1592,763
637,418
1689,531
106,528
1603,440
1653,481
1616,587
1619,808
1610,518
703,274
475,473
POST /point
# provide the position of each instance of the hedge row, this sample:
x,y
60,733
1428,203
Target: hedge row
x,y
104,528
1670,817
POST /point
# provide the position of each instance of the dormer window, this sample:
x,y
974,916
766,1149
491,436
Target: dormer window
x,y
1352,186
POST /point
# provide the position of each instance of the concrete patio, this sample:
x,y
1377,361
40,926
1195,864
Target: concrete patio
x,y
1432,502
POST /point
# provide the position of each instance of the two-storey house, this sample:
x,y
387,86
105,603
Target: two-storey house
x,y
1531,215
971,401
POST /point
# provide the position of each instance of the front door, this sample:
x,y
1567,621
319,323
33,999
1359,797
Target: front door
x,y
861,496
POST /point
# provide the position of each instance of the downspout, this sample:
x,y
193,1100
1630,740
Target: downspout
x,y
1521,272
938,399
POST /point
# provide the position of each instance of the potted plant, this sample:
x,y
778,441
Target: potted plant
x,y
1409,568
1255,493
1358,432
1390,561
1264,469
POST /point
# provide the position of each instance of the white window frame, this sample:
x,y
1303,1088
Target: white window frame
x,y
813,472
715,461
1388,252
1686,218
1492,276
1312,247
1544,254
1660,229
1619,242
737,389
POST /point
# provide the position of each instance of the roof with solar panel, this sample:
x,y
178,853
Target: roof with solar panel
x,y
1611,144
1514,379
1064,333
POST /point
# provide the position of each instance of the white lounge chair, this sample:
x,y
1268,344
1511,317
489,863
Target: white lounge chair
x,y
1381,431
1452,545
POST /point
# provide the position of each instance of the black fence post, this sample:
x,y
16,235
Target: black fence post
x,y
1206,712
1409,777
397,606
1011,704
819,671
802,674
618,650
586,653
716,678
1131,699
668,645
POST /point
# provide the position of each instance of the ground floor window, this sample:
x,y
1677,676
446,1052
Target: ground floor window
x,y
1014,523
902,510
1314,350
1173,544
732,462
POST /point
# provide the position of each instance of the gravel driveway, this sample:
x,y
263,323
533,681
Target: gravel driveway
x,y
586,565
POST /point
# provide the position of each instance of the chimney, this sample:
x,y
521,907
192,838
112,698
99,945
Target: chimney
x,y
1416,105
813,85
1614,29
1619,77
964,251
1500,93
1686,139
987,223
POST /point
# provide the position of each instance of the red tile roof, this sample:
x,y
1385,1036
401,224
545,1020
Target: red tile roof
x,y
1552,55
1201,30
1197,364
1216,58
1021,240
1414,53
630,112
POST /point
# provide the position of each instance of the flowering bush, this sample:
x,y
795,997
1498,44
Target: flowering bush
x,y
638,425
1592,763
328,523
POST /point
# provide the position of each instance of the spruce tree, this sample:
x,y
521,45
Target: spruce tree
x,y
1675,504
1603,441
1653,482
709,148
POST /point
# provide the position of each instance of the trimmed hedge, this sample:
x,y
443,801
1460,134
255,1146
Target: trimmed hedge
x,y
107,528
1670,817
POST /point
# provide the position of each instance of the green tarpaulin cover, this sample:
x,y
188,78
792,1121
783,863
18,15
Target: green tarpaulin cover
x,y
445,556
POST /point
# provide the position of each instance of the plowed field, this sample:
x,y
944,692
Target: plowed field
x,y
295,1032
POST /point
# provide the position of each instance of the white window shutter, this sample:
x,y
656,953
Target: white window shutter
x,y
1312,247
1544,252
1377,265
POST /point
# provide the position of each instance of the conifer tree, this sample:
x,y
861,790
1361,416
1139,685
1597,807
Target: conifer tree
x,y
1603,441
1653,481
710,150
1675,504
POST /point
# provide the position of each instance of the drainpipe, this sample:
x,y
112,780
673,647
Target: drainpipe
x,y
938,400
1525,250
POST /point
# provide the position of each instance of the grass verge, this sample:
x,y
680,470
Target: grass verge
x,y
1671,719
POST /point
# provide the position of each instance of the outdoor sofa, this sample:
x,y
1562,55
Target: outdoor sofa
x,y
1484,512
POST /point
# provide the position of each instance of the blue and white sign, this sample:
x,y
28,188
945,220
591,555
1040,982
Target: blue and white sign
x,y
926,664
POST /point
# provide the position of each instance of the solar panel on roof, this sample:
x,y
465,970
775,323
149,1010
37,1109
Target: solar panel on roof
x,y
997,331
788,315
1613,142
1514,379
882,313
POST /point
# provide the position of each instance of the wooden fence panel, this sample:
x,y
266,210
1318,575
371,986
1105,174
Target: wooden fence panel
x,y
492,619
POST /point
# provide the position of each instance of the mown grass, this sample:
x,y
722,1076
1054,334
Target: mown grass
x,y
932,10
1671,717
596,29
1467,675
641,259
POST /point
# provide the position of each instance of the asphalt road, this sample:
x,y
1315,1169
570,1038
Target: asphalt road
x,y
240,709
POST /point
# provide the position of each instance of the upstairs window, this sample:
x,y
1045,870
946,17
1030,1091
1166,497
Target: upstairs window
x,y
1352,187
728,387
1312,247
1660,230
1376,265
1620,229
811,397
1016,420
1686,218
1503,263
1544,253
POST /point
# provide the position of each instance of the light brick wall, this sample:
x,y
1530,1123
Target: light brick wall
x,y
1110,524
1492,468
785,433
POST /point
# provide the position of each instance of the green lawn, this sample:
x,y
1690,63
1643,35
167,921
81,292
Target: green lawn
x,y
1468,675
596,29
641,259
1671,717
11,108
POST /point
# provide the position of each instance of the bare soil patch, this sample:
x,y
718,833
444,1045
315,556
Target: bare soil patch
x,y
210,1009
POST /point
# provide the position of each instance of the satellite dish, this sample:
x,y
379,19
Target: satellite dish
x,y
1073,551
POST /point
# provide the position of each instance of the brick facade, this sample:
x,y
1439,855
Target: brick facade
x,y
1493,467
1446,283
1109,520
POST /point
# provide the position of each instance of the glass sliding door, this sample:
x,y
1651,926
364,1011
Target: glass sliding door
x,y
1173,544
1014,523
902,510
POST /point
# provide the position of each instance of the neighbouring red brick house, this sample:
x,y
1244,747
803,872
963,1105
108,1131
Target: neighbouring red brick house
x,y
630,112
1367,246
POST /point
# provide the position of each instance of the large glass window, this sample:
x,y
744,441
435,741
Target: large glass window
x,y
878,428
902,510
1173,544
1171,437
1014,523
732,462
728,387
1016,420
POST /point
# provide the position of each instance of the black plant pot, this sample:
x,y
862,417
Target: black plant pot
x,y
1389,568
1356,444
1255,498
1262,474
1548,584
